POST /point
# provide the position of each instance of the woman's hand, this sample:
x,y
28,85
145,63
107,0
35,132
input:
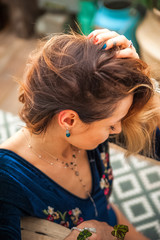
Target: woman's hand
x,y
103,231
111,39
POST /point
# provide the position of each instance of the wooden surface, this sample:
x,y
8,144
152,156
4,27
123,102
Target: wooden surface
x,y
40,229
13,55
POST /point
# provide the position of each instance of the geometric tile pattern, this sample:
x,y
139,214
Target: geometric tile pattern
x,y
150,177
138,209
155,198
151,229
136,185
136,191
126,186
120,165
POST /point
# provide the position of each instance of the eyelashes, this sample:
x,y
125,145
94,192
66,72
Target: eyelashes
x,y
112,128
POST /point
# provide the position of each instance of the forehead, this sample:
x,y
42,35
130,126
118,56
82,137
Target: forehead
x,y
119,113
122,108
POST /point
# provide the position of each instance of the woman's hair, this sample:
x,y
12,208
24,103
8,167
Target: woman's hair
x,y
70,72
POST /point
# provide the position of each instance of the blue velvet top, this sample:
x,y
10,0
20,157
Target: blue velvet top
x,y
27,191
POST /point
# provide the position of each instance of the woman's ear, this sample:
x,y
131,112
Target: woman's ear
x,y
67,119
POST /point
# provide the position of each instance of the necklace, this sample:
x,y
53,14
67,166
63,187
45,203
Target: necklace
x,y
72,165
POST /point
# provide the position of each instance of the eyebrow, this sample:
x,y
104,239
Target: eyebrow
x,y
120,119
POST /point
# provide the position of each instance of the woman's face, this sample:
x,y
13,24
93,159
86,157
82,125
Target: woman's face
x,y
89,136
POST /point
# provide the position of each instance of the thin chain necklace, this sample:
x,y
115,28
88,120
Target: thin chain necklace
x,y
72,165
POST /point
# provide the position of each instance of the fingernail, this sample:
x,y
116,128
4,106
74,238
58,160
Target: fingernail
x,y
96,40
104,46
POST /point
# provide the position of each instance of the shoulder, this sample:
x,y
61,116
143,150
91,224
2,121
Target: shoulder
x,y
14,177
9,163
13,147
8,149
10,177
10,143
12,165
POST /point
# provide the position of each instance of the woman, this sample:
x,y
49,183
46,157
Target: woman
x,y
76,92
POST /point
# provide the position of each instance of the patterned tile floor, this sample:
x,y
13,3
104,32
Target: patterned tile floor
x,y
136,188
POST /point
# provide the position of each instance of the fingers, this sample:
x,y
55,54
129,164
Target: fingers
x,y
104,36
111,39
97,32
119,41
127,53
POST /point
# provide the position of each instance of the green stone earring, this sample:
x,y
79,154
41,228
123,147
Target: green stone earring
x,y
68,133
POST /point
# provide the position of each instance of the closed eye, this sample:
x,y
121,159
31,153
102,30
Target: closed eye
x,y
112,128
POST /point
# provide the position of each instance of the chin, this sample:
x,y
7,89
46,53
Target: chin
x,y
89,146
96,145
92,147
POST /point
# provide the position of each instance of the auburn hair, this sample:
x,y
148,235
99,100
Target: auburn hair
x,y
70,72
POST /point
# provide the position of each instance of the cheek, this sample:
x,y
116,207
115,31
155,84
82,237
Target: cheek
x,y
104,136
99,136
90,139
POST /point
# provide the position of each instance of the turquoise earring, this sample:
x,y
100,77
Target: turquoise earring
x,y
68,133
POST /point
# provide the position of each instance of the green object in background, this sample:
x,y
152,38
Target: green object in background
x,y
87,10
149,4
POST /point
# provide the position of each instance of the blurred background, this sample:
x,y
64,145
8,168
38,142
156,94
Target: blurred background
x,y
23,22
136,188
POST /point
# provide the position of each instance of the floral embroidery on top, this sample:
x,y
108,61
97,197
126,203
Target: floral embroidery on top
x,y
51,214
73,215
107,177
104,184
63,219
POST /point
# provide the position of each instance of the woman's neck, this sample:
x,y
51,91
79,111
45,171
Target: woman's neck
x,y
51,143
